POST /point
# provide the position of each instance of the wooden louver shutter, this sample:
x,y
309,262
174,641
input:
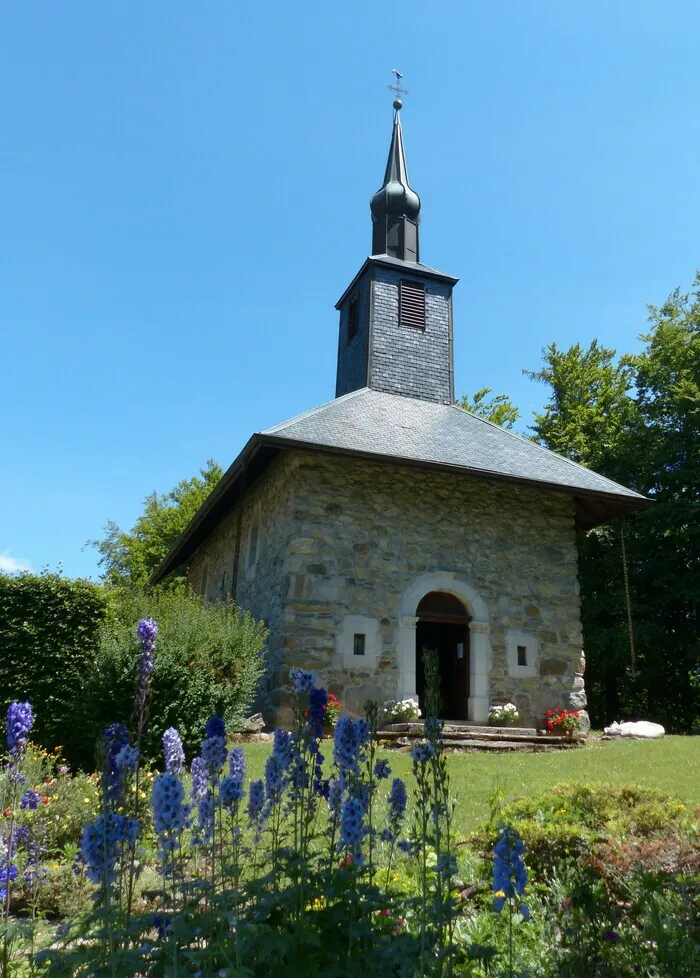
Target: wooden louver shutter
x,y
352,318
412,304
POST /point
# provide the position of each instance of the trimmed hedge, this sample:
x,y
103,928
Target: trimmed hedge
x,y
49,635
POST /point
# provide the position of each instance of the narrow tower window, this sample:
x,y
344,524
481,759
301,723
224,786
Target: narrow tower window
x,y
358,645
352,318
522,655
412,304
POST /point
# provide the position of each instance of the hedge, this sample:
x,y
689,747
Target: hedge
x,y
49,635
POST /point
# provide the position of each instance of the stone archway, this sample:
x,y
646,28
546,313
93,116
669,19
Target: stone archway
x,y
480,651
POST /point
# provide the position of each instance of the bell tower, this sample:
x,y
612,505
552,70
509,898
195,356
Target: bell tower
x,y
395,331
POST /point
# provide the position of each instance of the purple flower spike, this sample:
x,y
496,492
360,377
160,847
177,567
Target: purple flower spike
x,y
20,721
173,752
147,631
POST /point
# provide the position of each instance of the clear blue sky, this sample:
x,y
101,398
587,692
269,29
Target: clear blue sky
x,y
184,195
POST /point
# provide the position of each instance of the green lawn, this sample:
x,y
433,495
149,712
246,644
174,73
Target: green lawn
x,y
672,764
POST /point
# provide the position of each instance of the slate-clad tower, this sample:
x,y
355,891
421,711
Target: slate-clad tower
x,y
396,316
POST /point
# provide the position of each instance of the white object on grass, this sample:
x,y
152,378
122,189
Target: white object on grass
x,y
643,729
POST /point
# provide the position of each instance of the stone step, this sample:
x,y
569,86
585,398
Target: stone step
x,y
464,736
485,735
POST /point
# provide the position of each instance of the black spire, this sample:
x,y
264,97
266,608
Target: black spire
x,y
395,206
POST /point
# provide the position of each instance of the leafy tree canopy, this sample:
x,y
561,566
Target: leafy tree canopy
x,y
499,409
637,420
129,558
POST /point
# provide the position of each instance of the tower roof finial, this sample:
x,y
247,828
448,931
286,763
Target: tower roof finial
x,y
398,104
396,206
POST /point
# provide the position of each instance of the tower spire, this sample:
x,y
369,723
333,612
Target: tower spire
x,y
396,206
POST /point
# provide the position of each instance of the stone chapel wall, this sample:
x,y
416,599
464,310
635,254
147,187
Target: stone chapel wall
x,y
262,584
363,532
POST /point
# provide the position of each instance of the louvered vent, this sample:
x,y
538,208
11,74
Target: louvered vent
x,y
412,304
352,318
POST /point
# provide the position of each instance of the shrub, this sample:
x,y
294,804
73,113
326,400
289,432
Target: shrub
x,y
209,660
572,820
49,629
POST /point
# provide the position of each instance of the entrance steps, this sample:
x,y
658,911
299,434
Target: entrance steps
x,y
461,735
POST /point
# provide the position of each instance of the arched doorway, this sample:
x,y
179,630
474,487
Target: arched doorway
x,y
443,625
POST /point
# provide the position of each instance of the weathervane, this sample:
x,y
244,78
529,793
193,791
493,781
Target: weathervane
x,y
397,88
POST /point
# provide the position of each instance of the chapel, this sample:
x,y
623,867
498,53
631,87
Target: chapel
x,y
390,520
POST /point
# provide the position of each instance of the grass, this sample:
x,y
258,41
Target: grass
x,y
671,764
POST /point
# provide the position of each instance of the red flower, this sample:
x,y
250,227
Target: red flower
x,y
45,800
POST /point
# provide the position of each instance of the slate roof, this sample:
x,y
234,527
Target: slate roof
x,y
405,430
372,422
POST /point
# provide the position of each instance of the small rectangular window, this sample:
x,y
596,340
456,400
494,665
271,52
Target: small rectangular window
x,y
522,655
358,645
411,304
352,318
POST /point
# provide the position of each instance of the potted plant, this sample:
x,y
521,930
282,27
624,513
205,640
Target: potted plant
x,y
404,711
504,715
332,713
566,722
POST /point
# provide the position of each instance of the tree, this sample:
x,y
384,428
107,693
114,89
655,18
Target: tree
x,y
636,419
499,409
131,558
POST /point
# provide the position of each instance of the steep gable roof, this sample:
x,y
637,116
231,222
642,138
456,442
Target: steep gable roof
x,y
404,430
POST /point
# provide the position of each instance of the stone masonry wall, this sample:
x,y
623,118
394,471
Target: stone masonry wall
x,y
340,537
262,585
363,532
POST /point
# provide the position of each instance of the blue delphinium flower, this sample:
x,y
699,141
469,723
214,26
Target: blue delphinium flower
x,y
100,844
214,756
35,872
509,872
382,769
397,809
352,828
198,771
215,728
20,721
349,737
127,759
30,799
170,813
231,792
114,739
447,865
335,795
302,680
274,780
205,813
316,716
147,631
236,763
173,752
256,805
422,752
231,788
8,874
282,747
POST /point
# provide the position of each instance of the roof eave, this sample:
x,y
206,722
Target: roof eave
x,y
176,556
623,503
419,269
